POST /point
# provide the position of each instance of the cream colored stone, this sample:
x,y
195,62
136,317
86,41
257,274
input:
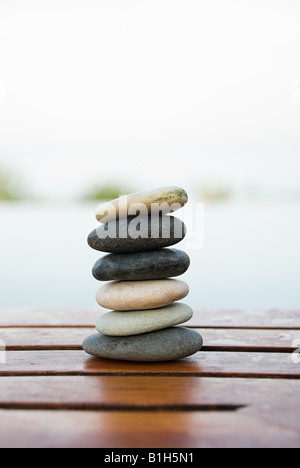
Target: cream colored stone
x,y
138,322
141,295
172,199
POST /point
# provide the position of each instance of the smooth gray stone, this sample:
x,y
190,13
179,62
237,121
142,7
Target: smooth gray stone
x,y
138,322
122,236
164,345
155,264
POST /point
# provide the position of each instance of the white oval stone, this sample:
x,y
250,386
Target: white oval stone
x,y
137,322
141,295
169,198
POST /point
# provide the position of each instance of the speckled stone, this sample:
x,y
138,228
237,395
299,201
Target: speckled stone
x,y
164,345
173,199
141,295
117,237
128,323
155,264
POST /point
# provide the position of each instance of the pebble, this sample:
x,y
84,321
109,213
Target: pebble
x,y
167,195
128,323
155,264
164,345
141,295
121,237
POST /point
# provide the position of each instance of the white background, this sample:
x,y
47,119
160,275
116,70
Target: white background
x,y
151,92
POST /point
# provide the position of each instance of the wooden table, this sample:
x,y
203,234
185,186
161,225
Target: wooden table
x,y
242,390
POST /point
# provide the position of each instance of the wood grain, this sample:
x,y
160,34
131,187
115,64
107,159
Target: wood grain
x,y
234,364
268,319
28,317
25,338
255,319
277,340
135,393
96,429
241,390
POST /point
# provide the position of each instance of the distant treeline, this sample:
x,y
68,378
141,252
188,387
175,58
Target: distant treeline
x,y
11,186
207,192
106,192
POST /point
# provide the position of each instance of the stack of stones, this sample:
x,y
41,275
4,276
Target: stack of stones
x,y
141,292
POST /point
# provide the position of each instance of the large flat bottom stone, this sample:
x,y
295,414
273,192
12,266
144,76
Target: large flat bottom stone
x,y
164,345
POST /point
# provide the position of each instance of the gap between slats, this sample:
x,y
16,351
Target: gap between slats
x,y
235,340
246,364
231,375
141,393
120,408
205,349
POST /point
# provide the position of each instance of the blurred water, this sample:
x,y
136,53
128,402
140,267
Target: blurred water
x,y
250,256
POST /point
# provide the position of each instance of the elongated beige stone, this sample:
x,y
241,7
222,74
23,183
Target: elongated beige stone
x,y
143,321
169,198
141,295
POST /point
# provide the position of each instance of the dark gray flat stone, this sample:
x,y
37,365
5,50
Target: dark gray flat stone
x,y
155,264
164,345
122,236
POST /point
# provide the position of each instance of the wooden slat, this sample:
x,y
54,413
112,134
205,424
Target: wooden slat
x,y
85,429
26,338
234,393
289,319
107,392
276,340
268,319
201,364
214,339
283,412
27,317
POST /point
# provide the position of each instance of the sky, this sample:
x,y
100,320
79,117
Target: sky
x,y
148,93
